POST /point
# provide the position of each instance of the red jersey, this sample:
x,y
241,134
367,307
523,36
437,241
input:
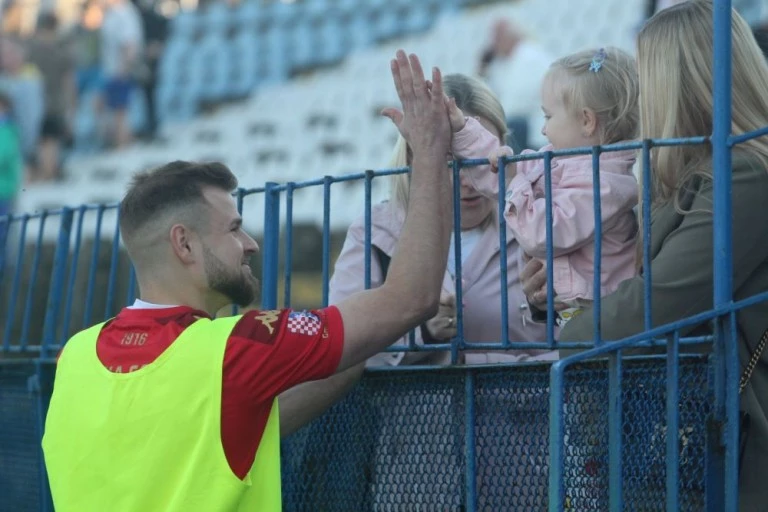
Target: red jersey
x,y
267,353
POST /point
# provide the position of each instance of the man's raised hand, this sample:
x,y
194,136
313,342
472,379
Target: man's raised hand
x,y
423,121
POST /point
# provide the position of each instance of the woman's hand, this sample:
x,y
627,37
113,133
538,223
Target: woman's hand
x,y
443,325
534,280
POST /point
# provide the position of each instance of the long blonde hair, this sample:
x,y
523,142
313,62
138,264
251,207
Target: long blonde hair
x,y
474,98
610,92
675,62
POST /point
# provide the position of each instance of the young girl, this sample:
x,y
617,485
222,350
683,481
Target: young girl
x,y
588,98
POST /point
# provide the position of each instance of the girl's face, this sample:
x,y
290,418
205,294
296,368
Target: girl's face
x,y
563,127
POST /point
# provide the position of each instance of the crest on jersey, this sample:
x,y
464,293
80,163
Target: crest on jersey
x,y
304,322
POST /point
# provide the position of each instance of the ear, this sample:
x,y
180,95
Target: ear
x,y
588,123
184,243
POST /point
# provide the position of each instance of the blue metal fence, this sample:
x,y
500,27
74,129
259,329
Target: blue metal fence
x,y
623,433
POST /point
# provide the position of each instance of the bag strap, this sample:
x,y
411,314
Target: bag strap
x,y
753,362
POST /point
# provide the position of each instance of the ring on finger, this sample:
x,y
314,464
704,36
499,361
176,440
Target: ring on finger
x,y
451,321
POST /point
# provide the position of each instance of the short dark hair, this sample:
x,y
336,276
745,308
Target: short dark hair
x,y
174,185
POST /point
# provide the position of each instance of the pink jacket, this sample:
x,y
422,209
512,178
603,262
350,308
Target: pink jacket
x,y
572,212
481,291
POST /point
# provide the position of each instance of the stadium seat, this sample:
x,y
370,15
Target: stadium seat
x,y
184,25
217,18
243,73
210,65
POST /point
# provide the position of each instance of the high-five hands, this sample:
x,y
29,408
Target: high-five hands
x,y
423,121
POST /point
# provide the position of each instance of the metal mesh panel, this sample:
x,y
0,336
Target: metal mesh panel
x,y
397,443
20,463
511,438
644,439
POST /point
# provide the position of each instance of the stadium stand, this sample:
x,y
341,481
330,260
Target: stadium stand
x,y
297,125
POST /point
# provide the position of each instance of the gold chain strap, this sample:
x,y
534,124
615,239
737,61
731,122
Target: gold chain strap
x,y
753,362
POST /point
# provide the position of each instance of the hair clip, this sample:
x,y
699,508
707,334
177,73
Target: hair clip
x,y
597,60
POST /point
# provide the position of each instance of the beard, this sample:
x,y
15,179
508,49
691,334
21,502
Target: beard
x,y
237,285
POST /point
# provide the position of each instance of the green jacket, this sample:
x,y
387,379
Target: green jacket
x,y
10,161
682,285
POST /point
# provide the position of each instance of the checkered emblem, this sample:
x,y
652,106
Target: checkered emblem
x,y
304,323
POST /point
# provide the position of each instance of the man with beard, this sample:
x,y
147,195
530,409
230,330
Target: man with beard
x,y
166,407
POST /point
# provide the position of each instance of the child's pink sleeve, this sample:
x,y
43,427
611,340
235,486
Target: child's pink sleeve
x,y
474,141
573,221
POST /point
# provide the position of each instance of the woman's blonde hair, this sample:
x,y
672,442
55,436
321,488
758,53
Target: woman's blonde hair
x,y
675,62
474,98
604,81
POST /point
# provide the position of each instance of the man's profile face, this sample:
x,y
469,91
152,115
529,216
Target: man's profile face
x,y
227,251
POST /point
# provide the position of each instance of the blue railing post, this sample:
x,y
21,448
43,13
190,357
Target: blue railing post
x,y
503,261
556,437
458,278
288,257
239,195
57,282
725,349
270,250
470,477
327,182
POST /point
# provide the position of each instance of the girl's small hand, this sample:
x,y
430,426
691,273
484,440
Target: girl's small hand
x,y
455,115
494,159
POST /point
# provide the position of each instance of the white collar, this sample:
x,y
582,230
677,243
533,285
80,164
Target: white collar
x,y
140,304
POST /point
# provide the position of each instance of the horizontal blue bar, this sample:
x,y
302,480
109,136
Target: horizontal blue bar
x,y
663,330
59,211
527,364
744,137
340,179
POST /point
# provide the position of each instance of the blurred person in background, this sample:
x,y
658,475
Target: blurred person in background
x,y
22,82
11,165
510,53
155,34
122,43
53,58
86,40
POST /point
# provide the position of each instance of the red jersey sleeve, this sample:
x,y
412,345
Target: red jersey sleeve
x,y
271,351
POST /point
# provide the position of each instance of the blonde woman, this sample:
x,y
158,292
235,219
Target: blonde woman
x,y
401,443
480,254
675,66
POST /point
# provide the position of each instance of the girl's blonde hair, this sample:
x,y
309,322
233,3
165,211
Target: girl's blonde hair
x,y
474,98
604,81
675,62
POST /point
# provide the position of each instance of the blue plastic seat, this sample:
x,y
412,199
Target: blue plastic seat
x,y
330,37
217,18
175,59
243,72
185,25
247,16
210,65
175,103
